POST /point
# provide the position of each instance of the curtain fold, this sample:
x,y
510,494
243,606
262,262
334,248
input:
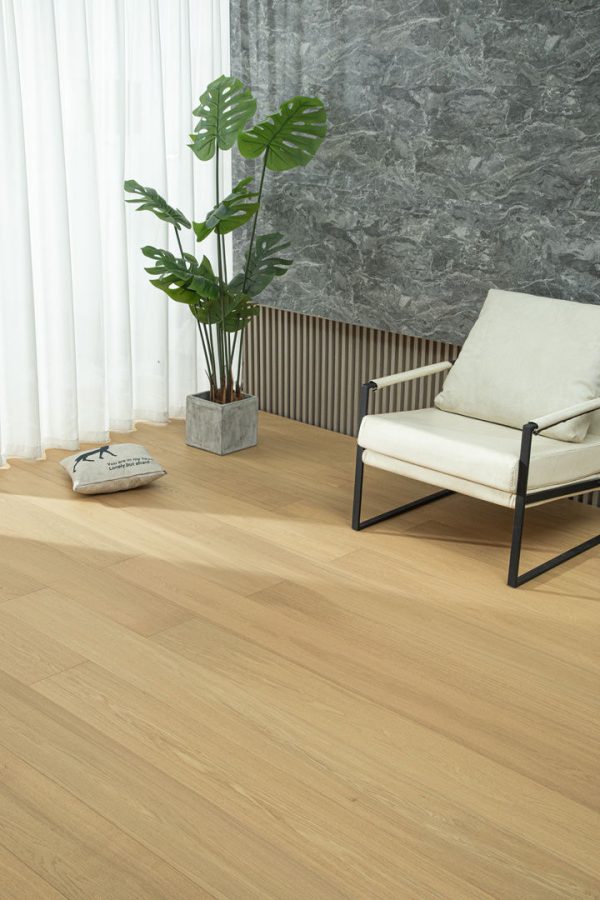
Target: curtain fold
x,y
92,93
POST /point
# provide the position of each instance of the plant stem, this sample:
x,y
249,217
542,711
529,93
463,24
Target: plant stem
x,y
179,241
206,357
221,237
253,232
239,368
205,339
221,325
233,346
209,338
247,269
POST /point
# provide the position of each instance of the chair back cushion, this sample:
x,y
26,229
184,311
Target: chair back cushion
x,y
526,357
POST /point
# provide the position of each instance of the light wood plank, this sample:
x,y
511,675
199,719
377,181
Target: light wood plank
x,y
27,519
15,581
134,606
360,652
171,677
297,801
213,687
226,858
30,655
77,853
19,882
342,718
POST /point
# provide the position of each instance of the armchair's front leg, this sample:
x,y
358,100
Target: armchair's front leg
x,y
521,502
357,525
523,499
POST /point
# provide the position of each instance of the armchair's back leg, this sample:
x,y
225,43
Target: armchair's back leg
x,y
363,406
358,485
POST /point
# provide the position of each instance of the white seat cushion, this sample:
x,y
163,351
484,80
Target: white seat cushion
x,y
526,357
477,451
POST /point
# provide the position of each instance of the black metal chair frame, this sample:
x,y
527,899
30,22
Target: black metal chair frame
x,y
524,499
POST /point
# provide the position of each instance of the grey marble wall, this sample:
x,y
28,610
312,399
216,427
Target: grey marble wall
x,y
464,153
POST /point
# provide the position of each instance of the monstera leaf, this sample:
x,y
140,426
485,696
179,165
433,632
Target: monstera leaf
x,y
231,213
185,280
231,312
290,137
148,198
224,108
210,312
265,264
239,313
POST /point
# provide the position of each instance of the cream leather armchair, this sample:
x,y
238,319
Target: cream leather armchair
x,y
516,424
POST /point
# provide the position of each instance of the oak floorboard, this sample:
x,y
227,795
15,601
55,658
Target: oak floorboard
x,y
150,807
260,776
212,687
29,655
78,853
19,882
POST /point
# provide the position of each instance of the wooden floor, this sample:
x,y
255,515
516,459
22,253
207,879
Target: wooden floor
x,y
212,687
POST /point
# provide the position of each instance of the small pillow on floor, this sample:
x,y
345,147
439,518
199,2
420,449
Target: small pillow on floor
x,y
113,467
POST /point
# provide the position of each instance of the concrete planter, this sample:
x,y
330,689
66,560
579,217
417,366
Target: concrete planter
x,y
221,427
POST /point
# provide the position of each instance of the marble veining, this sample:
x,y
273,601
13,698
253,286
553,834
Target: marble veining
x,y
463,154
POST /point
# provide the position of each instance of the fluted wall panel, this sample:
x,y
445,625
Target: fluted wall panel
x,y
310,369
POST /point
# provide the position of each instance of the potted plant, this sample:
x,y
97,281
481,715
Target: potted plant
x,y
224,419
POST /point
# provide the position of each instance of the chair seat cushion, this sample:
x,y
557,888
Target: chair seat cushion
x,y
525,357
477,451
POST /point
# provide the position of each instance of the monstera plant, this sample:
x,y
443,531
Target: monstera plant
x,y
223,304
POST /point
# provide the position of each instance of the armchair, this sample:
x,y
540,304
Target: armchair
x,y
516,426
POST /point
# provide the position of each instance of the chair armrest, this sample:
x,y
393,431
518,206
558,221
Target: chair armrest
x,y
563,415
422,372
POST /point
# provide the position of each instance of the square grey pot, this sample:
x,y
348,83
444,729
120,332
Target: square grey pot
x,y
221,427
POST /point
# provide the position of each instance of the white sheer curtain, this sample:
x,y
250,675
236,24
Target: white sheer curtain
x,y
93,92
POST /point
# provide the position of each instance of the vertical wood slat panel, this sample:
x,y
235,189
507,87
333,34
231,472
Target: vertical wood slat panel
x,y
310,369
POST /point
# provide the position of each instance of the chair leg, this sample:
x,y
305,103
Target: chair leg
x,y
357,525
514,579
521,502
358,485
517,539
